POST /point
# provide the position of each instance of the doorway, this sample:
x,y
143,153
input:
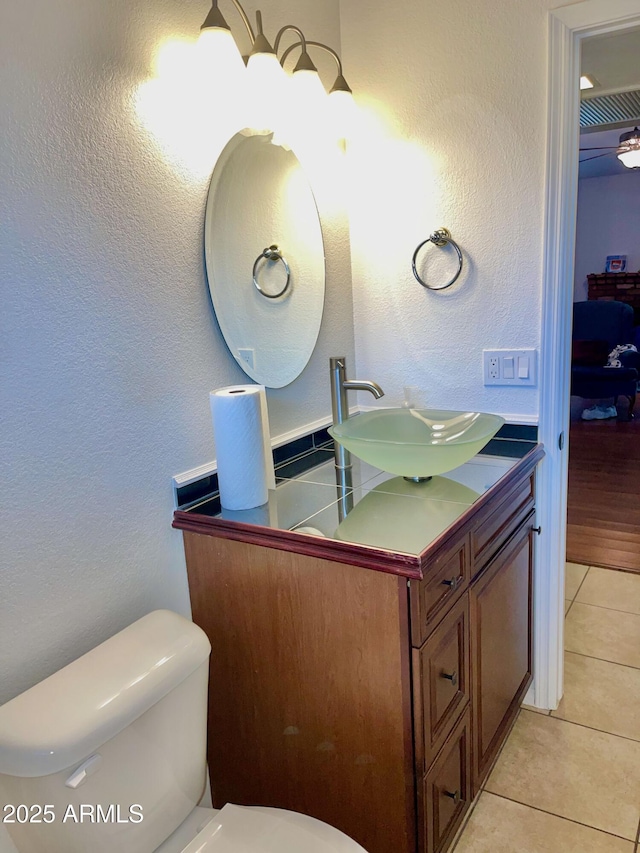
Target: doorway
x,y
603,517
569,26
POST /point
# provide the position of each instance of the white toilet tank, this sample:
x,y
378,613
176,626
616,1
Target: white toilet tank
x,y
108,755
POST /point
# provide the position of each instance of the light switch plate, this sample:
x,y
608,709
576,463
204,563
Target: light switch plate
x,y
510,367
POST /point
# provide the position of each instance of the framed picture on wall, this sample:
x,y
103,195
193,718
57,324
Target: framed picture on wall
x,y
616,263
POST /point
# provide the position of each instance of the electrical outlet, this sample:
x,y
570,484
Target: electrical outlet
x,y
510,367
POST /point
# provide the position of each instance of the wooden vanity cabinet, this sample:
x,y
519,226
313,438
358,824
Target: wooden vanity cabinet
x,y
309,687
374,699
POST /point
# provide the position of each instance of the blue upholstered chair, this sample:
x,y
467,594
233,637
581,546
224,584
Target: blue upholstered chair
x,y
610,323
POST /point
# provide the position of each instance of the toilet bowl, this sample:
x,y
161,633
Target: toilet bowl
x,y
264,830
108,755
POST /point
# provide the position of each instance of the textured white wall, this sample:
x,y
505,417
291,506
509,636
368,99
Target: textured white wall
x,y
108,346
107,342
459,92
608,224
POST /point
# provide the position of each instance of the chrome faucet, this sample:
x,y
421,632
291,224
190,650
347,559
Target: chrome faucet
x,y
339,406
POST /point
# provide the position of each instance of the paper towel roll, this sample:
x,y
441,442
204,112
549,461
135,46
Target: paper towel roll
x,y
243,446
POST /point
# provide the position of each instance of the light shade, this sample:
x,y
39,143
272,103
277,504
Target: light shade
x,y
629,149
342,112
306,82
265,70
218,53
307,90
307,106
267,83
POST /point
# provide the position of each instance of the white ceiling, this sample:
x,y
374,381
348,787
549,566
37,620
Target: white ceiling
x,y
614,61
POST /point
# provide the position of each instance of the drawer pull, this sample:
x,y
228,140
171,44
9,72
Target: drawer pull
x,y
454,583
454,795
452,676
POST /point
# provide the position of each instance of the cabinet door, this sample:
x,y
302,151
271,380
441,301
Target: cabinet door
x,y
500,645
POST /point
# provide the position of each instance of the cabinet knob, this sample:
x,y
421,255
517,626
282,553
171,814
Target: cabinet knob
x,y
451,676
454,795
453,583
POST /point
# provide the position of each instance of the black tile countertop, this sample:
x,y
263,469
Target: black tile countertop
x,y
377,512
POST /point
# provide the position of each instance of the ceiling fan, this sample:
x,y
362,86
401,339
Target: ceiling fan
x,y
627,150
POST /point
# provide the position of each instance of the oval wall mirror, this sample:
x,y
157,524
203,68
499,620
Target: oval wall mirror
x,y
264,258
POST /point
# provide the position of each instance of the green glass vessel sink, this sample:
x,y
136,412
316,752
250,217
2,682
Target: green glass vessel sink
x,y
416,442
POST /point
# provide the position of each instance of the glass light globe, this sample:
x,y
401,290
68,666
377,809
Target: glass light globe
x,y
631,157
307,88
218,51
342,112
267,85
629,150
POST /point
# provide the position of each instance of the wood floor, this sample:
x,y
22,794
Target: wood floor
x,y
603,519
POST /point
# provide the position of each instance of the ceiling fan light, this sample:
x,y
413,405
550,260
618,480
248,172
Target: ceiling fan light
x,y
629,149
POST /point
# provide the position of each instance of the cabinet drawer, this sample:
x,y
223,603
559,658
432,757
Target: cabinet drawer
x,y
495,526
442,682
445,582
446,790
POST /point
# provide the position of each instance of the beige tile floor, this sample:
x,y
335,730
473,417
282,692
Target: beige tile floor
x,y
569,781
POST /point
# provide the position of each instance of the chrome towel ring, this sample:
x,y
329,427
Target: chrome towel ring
x,y
272,253
439,238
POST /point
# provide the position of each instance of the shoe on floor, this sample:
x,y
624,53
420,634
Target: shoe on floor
x,y
594,413
610,411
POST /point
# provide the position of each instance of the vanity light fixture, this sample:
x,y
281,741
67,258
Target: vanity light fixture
x,y
629,149
340,94
587,81
306,87
266,68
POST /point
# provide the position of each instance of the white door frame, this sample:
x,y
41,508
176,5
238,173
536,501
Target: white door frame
x,y
567,27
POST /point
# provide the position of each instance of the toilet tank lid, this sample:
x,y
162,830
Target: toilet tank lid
x,y
69,715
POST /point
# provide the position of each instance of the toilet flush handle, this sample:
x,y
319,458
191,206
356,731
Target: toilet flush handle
x,y
86,769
